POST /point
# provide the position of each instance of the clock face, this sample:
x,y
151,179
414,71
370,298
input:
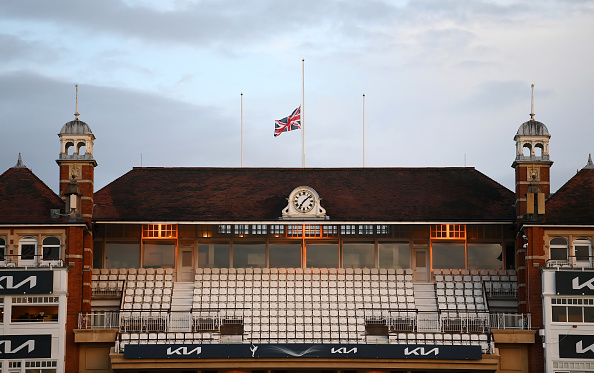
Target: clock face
x,y
304,201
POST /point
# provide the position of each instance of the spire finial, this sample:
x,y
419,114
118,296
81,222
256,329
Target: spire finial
x,y
590,165
76,114
532,105
20,163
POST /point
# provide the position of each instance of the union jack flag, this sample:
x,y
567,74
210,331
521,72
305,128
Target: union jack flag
x,y
290,123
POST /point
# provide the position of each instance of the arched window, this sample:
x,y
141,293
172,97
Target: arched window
x,y
27,251
51,248
583,250
2,249
558,249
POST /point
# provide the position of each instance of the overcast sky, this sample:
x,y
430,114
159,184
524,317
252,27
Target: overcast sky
x,y
447,82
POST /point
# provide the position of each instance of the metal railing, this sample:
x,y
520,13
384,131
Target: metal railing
x,y
572,262
26,260
508,289
518,321
99,320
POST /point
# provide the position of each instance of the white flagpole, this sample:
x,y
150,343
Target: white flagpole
x,y
303,108
363,130
242,130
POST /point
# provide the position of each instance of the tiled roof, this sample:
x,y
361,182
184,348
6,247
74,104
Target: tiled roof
x,y
573,203
25,199
348,194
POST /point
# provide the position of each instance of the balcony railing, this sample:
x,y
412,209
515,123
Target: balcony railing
x,y
518,321
572,262
99,320
21,261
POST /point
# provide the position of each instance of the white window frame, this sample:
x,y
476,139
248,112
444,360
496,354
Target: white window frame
x,y
28,240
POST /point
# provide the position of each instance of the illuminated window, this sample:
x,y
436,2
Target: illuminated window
x,y
159,231
259,229
313,230
277,230
34,309
329,231
242,229
448,231
294,230
348,230
224,229
382,229
366,230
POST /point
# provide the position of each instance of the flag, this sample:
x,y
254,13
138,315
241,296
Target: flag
x,y
290,123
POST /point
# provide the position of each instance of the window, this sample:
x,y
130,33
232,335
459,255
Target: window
x,y
159,231
122,255
213,255
51,248
2,249
249,255
448,255
27,251
572,310
448,231
322,255
485,256
34,309
394,255
1,310
158,253
358,255
284,255
583,250
558,249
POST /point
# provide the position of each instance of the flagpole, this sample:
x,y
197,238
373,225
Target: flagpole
x,y
241,129
363,130
303,108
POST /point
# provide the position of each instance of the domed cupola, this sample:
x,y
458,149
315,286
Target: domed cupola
x,y
532,165
76,160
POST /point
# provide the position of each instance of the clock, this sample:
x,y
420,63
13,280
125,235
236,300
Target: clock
x,y
304,201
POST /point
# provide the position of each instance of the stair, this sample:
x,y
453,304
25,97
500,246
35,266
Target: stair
x,y
182,296
426,304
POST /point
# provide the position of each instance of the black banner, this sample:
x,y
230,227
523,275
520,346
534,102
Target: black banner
x,y
576,346
574,282
26,282
25,346
224,351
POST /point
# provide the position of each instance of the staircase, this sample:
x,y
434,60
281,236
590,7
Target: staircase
x,y
426,304
180,318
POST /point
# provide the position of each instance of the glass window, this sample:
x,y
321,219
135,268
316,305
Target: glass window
x,y
322,255
394,255
214,255
28,248
2,249
158,253
122,255
358,255
558,314
98,254
583,249
448,255
284,255
51,248
574,314
558,249
588,314
485,256
249,255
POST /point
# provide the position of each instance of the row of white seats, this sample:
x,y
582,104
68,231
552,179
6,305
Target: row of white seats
x,y
472,272
302,277
133,271
407,271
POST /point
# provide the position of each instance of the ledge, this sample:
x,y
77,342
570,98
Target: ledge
x,y
513,336
95,335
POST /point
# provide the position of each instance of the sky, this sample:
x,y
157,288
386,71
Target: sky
x,y
447,83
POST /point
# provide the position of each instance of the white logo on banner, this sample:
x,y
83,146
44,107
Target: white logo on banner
x,y
30,344
343,350
577,286
9,282
183,351
420,351
580,350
